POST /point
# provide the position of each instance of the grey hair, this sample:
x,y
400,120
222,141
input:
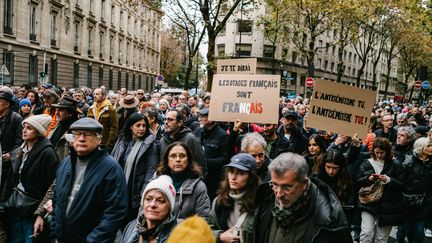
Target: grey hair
x,y
409,131
251,139
290,161
401,116
420,144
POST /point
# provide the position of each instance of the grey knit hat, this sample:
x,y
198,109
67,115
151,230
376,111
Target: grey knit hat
x,y
39,122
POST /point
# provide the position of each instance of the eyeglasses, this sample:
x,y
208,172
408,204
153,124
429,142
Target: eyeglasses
x,y
175,156
140,93
169,119
284,188
85,134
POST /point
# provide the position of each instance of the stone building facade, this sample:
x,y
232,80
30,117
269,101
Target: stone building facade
x,y
244,37
115,43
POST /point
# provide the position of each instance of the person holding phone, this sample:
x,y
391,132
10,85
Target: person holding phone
x,y
386,212
232,214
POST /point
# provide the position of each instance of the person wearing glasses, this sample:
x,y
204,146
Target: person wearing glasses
x,y
191,192
232,215
254,144
90,199
136,152
295,208
175,131
387,130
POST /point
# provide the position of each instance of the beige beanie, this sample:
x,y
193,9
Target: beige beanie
x,y
39,122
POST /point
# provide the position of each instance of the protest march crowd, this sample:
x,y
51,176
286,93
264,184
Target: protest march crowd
x,y
82,165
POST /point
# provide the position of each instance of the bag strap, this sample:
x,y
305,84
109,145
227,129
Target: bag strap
x,y
240,220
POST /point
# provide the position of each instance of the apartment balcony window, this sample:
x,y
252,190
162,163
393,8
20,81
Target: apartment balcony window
x,y
33,22
244,50
8,16
90,41
76,36
244,26
101,45
268,51
53,29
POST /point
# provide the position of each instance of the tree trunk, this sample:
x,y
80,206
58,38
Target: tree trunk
x,y
188,72
388,77
374,70
311,58
360,72
211,60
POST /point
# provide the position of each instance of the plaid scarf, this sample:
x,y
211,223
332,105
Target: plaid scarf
x,y
286,217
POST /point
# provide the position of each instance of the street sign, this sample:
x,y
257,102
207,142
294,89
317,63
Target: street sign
x,y
310,82
425,85
160,77
417,84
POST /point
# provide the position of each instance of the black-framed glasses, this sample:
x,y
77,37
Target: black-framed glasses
x,y
77,134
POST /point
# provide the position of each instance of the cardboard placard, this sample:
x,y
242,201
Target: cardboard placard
x,y
237,66
250,98
340,108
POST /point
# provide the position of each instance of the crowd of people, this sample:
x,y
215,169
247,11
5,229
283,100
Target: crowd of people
x,y
82,165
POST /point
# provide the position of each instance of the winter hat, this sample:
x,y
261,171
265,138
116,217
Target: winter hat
x,y
193,230
39,122
164,184
24,102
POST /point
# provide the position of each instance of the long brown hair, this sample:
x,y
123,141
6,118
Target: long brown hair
x,y
343,179
192,169
248,199
317,158
384,144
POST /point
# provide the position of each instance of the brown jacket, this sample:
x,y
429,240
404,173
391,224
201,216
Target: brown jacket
x,y
108,119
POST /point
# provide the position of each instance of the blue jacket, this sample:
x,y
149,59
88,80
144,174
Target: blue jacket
x,y
100,205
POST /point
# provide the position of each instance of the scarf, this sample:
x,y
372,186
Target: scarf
x,y
178,180
151,233
286,217
131,158
59,131
99,108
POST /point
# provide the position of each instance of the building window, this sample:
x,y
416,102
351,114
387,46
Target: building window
x,y
111,48
112,14
139,81
8,16
100,81
133,82
221,50
53,73
127,81
110,79
325,65
332,65
103,9
333,50
90,41
89,76
121,20
33,22
119,80
101,45
8,61
53,28
127,53
120,48
76,36
244,50
33,64
319,63
244,26
268,51
76,75
294,57
91,5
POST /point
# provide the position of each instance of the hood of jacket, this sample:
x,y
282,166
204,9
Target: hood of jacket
x,y
182,132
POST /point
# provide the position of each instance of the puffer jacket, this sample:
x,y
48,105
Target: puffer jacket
x,y
327,224
186,136
192,199
146,162
388,208
418,180
219,218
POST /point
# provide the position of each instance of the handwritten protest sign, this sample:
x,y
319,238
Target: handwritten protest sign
x,y
250,98
237,66
340,108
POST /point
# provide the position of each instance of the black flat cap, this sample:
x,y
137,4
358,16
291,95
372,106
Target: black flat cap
x,y
87,124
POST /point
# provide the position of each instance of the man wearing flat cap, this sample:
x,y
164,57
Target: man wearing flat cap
x,y
90,200
214,140
10,138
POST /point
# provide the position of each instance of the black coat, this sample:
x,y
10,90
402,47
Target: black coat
x,y
38,171
327,222
388,208
401,151
215,143
146,162
418,180
296,144
392,135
